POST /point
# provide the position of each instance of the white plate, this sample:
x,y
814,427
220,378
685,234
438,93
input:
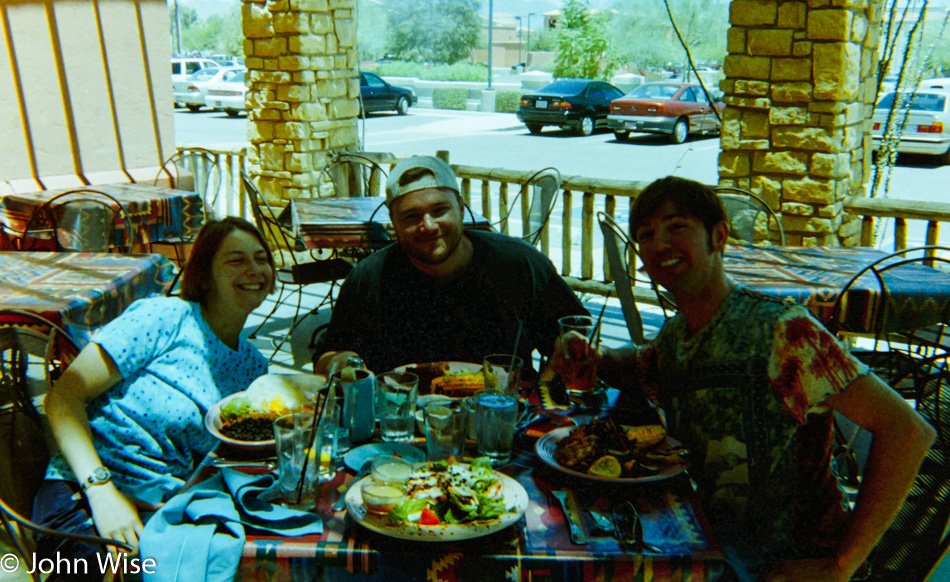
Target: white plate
x,y
545,450
213,425
516,500
355,458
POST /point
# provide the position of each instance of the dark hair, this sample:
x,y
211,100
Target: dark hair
x,y
196,278
690,197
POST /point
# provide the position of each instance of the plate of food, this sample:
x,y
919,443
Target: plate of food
x,y
445,502
244,420
452,379
603,450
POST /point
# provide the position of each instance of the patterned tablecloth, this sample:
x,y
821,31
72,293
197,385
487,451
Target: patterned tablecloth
x,y
345,222
538,547
80,291
916,295
156,213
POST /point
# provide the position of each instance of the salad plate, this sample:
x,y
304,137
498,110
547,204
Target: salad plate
x,y
546,445
515,502
355,458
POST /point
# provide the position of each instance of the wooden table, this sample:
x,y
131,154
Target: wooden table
x,y
340,223
916,295
156,213
80,291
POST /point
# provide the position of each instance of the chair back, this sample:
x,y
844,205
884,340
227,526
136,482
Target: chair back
x,y
82,220
352,175
617,261
881,315
747,210
537,197
195,170
265,217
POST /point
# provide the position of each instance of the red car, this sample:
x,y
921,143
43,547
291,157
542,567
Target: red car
x,y
676,109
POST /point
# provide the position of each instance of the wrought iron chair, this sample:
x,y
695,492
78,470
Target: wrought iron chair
x,y
917,538
543,187
64,223
618,248
194,169
291,272
353,174
33,353
746,211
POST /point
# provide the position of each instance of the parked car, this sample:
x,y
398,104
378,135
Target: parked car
x,y
942,83
184,67
191,92
378,95
928,122
674,109
228,93
578,104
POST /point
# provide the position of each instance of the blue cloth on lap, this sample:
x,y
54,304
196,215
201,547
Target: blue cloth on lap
x,y
199,534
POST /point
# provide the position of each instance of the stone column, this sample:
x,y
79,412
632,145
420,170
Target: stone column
x,y
303,90
800,82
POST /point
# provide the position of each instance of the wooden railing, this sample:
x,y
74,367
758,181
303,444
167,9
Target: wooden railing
x,y
571,239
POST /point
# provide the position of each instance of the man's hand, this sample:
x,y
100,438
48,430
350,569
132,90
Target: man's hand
x,y
579,354
324,364
824,570
114,515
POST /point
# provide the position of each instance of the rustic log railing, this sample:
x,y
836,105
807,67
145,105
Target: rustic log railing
x,y
580,257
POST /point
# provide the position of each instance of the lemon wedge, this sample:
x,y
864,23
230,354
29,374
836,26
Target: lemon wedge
x,y
606,466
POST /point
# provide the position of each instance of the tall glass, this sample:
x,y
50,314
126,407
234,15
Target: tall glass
x,y
446,426
503,373
396,400
495,416
579,374
334,433
292,435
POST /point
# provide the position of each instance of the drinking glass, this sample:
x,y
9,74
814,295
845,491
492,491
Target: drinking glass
x,y
495,416
292,435
396,401
503,373
446,429
334,435
579,374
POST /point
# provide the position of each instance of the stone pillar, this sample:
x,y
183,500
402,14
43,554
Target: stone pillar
x,y
800,82
303,90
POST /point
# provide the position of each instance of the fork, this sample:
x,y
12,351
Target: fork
x,y
577,534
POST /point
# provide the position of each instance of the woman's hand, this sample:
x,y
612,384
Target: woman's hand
x,y
114,516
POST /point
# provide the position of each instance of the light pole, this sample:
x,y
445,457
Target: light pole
x,y
491,18
518,18
527,43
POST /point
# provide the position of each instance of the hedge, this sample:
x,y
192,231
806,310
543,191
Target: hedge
x,y
506,101
449,98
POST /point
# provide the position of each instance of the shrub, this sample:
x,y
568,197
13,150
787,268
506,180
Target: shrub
x,y
506,101
449,98
456,72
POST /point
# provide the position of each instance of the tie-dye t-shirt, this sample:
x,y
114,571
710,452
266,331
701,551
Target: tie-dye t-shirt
x,y
745,395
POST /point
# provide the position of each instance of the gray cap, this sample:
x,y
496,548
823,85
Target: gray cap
x,y
442,177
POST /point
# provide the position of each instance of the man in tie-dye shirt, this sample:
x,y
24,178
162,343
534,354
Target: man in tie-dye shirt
x,y
749,384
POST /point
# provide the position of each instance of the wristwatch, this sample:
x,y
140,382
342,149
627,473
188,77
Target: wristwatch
x,y
100,476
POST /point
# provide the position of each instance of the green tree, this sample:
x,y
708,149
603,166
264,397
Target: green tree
x,y
582,47
371,29
440,31
643,36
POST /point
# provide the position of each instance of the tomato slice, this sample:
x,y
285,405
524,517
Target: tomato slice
x,y
428,517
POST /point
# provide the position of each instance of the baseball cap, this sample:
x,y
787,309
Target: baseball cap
x,y
442,177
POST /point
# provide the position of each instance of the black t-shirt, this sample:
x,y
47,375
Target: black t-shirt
x,y
392,314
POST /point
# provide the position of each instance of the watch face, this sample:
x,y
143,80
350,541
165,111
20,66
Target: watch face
x,y
100,475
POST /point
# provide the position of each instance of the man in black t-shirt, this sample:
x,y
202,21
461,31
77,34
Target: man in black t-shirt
x,y
442,294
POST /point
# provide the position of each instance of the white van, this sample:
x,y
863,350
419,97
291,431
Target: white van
x,y
185,66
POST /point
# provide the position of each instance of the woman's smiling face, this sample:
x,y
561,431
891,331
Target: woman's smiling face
x,y
241,276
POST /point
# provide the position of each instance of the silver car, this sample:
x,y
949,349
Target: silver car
x,y
192,91
228,92
927,129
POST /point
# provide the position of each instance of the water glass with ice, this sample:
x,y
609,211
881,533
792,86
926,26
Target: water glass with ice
x,y
446,429
396,401
495,416
292,435
503,373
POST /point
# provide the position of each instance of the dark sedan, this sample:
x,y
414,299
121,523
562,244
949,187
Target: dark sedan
x,y
674,109
578,104
378,95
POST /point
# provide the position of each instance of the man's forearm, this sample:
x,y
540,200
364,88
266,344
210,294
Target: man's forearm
x,y
617,367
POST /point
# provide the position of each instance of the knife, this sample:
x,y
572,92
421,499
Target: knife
x,y
630,528
571,516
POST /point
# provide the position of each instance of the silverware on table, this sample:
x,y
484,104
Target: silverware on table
x,y
340,503
571,516
630,528
269,464
605,523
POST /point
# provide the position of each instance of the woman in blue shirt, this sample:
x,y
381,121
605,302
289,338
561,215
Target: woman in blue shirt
x,y
128,412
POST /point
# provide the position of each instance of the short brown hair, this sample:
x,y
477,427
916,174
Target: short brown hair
x,y
690,197
196,278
